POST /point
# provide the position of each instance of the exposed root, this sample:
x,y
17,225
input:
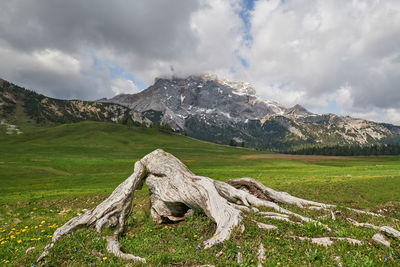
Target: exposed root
x,y
175,192
111,211
265,226
328,241
114,247
278,216
381,239
386,229
262,192
260,255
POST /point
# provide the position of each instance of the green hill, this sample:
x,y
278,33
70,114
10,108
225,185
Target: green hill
x,y
48,174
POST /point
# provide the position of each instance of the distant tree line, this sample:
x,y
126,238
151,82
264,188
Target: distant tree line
x,y
350,150
234,143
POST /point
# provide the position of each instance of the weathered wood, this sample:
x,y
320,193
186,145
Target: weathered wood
x,y
176,192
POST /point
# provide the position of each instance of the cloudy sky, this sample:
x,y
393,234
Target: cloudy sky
x,y
339,56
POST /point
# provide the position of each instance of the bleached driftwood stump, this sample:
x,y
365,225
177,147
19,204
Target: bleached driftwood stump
x,y
175,190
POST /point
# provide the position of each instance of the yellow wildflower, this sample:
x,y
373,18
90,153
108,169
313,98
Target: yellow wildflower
x,y
104,258
277,238
12,236
194,236
19,241
34,208
42,231
23,230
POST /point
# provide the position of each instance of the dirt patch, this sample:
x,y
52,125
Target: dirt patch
x,y
296,157
46,160
52,170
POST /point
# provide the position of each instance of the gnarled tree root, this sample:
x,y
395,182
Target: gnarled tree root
x,y
175,192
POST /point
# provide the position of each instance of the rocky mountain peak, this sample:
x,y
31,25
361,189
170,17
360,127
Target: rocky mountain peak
x,y
219,110
297,111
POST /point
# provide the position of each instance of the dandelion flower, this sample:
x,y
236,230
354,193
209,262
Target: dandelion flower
x,y
277,238
194,236
104,258
34,208
19,241
42,231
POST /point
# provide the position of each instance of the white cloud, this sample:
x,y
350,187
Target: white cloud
x,y
393,116
324,50
311,52
123,86
54,73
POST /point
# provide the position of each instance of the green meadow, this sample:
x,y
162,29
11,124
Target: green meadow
x,y
49,174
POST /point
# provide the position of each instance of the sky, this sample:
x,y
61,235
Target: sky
x,y
330,56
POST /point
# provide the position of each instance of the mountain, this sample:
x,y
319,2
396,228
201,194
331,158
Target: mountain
x,y
224,111
19,105
203,107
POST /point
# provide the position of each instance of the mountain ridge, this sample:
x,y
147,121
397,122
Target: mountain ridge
x,y
231,110
206,108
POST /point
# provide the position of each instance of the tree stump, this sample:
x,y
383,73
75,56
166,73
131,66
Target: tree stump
x,y
175,192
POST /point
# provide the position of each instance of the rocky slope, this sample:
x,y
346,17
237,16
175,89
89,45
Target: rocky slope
x,y
202,107
18,104
225,111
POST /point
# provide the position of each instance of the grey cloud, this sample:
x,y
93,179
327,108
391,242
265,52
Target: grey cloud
x,y
149,28
317,47
138,33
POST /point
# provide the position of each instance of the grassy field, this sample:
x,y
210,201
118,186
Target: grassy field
x,y
49,174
